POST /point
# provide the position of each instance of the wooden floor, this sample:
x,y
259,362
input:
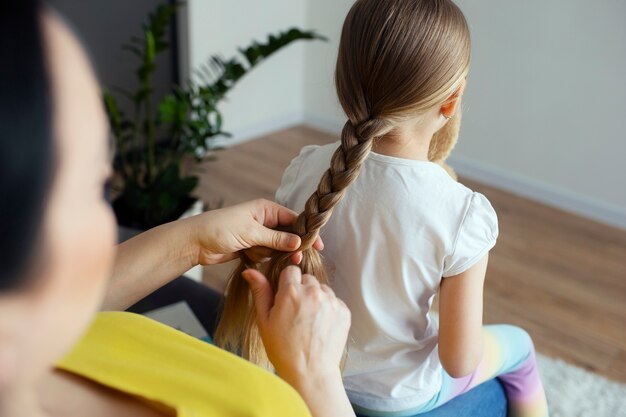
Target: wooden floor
x,y
559,276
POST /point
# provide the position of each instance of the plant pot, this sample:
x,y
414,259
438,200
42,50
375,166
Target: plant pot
x,y
124,233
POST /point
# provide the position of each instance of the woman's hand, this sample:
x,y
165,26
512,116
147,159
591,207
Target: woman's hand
x,y
304,328
153,258
220,234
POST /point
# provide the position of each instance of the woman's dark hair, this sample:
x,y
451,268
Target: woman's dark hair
x,y
25,137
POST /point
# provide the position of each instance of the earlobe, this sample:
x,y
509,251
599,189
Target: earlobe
x,y
449,108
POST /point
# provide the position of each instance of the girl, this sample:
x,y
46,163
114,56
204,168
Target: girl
x,y
401,228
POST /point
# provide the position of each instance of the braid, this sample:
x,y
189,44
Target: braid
x,y
345,165
237,330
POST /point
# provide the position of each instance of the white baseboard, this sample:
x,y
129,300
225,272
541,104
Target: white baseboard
x,y
523,186
539,191
249,133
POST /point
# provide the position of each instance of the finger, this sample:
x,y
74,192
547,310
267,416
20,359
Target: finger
x,y
289,276
308,279
319,244
296,258
275,239
261,293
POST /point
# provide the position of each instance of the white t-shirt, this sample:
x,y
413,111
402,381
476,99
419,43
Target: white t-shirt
x,y
401,227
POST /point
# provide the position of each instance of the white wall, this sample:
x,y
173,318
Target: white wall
x,y
544,111
271,96
546,102
321,106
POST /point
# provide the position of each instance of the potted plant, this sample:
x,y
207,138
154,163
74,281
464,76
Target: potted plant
x,y
153,142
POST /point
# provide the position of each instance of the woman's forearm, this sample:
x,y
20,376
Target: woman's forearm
x,y
152,259
148,261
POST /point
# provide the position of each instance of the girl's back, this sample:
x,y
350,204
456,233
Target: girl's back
x,y
394,223
401,226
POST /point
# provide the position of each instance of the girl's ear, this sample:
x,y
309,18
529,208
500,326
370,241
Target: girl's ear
x,y
450,107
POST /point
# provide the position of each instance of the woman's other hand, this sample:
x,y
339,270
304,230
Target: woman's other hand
x,y
304,328
220,234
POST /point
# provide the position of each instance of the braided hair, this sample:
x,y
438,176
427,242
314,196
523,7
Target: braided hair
x,y
397,59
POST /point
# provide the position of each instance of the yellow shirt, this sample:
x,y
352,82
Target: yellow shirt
x,y
147,359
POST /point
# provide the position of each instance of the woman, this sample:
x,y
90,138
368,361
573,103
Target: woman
x,y
57,255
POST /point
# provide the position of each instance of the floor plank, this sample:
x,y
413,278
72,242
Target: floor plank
x,y
560,276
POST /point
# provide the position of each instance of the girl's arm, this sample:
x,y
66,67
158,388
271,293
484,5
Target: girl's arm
x,y
461,320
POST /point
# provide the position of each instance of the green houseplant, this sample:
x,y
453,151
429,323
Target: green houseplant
x,y
153,141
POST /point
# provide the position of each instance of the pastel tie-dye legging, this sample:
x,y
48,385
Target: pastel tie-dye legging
x,y
509,355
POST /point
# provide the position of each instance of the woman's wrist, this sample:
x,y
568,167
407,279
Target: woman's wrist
x,y
323,392
187,237
312,379
328,383
178,244
148,261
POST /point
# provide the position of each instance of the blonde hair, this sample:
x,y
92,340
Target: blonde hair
x,y
397,59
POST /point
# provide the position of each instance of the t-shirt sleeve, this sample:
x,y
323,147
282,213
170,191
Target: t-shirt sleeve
x,y
476,236
290,177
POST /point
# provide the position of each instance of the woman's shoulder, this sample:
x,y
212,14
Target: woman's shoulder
x,y
142,357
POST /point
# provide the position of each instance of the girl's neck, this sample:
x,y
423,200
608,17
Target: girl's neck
x,y
404,144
